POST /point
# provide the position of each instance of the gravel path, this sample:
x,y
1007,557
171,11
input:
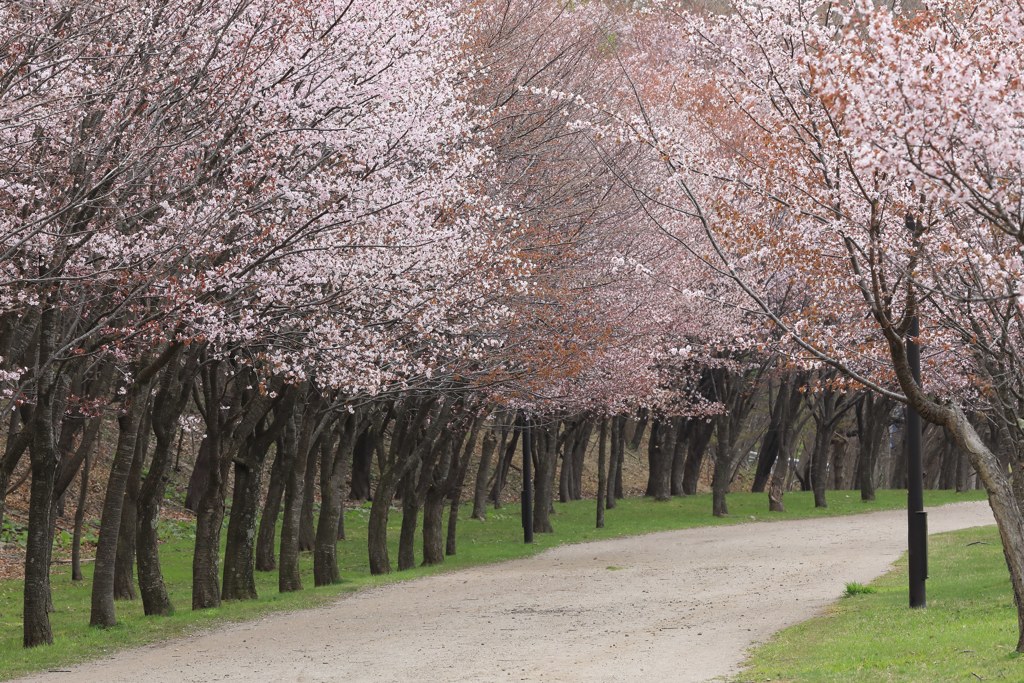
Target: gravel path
x,y
671,606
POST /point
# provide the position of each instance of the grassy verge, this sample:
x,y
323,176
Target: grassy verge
x,y
966,633
497,539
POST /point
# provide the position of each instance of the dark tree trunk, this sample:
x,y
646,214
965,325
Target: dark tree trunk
x,y
362,464
602,477
43,459
433,523
124,566
506,464
267,534
433,487
103,613
696,448
566,473
76,540
819,464
546,450
638,429
307,523
239,550
297,450
579,459
205,559
660,452
723,466
411,439
483,474
769,449
209,519
872,426
616,482
410,518
333,471
683,431
456,483
167,408
206,461
616,438
789,398
239,581
19,436
377,526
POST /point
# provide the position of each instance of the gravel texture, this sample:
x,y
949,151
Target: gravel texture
x,y
671,606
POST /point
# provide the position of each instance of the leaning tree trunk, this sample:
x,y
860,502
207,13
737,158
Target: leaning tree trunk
x,y
501,475
266,536
334,468
103,613
124,563
483,474
307,521
167,407
457,482
638,429
76,539
696,448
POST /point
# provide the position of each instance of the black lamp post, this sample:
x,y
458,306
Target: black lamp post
x,y
526,499
917,518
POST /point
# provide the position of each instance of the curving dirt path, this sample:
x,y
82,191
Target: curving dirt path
x,y
671,606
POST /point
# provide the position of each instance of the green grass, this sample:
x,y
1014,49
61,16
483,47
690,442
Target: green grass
x,y
497,539
966,633
853,589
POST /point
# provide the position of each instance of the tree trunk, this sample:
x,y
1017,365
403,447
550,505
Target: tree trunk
x,y
683,432
769,449
362,464
209,519
638,429
201,476
297,451
239,578
546,449
377,526
43,459
167,408
410,518
76,540
723,466
433,523
334,468
697,446
307,525
103,613
819,464
124,564
483,474
502,474
267,533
